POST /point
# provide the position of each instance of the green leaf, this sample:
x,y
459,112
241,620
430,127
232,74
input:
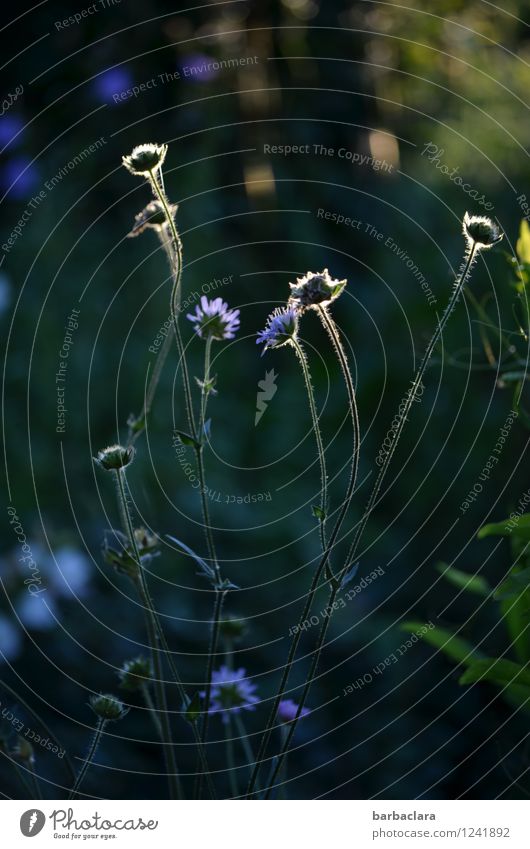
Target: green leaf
x,y
520,526
318,513
207,570
513,586
523,242
193,708
456,648
498,671
472,583
186,439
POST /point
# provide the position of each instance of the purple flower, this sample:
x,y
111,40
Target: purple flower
x,y
199,68
19,177
287,710
281,327
10,126
231,692
110,82
214,320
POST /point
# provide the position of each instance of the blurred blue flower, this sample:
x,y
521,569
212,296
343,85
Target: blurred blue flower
x,y
231,692
36,611
287,710
112,81
19,177
194,67
10,125
10,639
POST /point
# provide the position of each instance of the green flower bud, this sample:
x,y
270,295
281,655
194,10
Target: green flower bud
x,y
145,159
480,231
153,215
315,289
135,673
108,707
115,457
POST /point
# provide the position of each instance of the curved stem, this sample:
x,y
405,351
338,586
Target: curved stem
x,y
321,568
89,758
138,425
143,590
175,300
302,358
175,789
416,384
151,708
335,588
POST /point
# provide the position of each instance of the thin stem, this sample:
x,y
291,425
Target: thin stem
x,y
245,742
152,709
175,300
134,432
175,789
212,652
416,383
35,781
89,758
143,590
234,789
335,587
333,333
302,358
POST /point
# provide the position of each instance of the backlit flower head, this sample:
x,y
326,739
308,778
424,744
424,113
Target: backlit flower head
x,y
145,159
281,328
231,692
213,319
135,673
287,710
313,290
154,216
108,707
480,231
115,457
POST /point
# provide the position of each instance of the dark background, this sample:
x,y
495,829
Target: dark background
x,y
374,79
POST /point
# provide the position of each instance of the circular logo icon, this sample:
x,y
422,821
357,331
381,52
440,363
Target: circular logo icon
x,y
32,822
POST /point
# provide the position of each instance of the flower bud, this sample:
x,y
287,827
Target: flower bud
x,y
115,457
108,707
315,289
154,216
232,628
480,231
145,159
135,673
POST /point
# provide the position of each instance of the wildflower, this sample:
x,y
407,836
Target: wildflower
x,y
287,710
153,215
232,628
315,289
114,457
134,673
231,692
145,159
480,231
214,320
108,707
281,328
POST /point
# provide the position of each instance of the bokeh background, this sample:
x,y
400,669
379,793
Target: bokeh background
x,y
380,81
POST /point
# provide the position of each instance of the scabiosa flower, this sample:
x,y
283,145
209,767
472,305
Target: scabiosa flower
x,y
114,457
214,320
313,290
153,215
108,707
231,692
480,231
145,159
281,328
135,673
287,710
